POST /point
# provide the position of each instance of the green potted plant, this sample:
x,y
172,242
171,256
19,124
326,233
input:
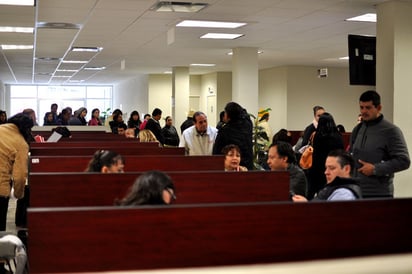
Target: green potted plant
x,y
104,114
261,141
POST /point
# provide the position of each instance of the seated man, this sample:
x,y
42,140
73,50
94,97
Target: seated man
x,y
340,186
282,158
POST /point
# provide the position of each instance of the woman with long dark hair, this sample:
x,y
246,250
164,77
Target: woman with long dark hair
x,y
134,122
151,188
326,139
238,130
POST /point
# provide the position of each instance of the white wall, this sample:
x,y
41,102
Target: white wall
x,y
273,94
292,92
131,95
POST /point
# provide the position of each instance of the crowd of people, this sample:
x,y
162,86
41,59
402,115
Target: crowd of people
x,y
377,146
364,169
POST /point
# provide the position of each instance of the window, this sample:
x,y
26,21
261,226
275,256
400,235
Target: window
x,y
40,98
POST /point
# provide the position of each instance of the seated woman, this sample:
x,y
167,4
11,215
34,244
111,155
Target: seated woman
x,y
151,188
232,158
146,135
106,161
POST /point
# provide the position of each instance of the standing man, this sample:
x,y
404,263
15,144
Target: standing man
x,y
378,147
154,126
281,157
188,122
199,138
340,186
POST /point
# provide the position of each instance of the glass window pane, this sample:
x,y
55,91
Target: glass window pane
x,y
23,91
63,92
95,92
18,105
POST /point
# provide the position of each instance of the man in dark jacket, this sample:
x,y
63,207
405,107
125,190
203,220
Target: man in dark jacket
x,y
281,157
378,147
154,126
340,186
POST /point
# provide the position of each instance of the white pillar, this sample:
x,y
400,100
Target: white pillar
x,y
180,95
393,74
245,81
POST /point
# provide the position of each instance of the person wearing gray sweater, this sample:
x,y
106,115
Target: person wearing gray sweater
x,y
378,147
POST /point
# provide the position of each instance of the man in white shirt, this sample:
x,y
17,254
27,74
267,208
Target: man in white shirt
x,y
199,138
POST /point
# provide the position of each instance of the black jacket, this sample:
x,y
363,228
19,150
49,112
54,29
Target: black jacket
x,y
238,133
171,136
186,124
338,182
154,127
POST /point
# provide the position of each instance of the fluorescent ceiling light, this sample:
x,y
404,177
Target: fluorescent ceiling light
x,y
95,68
67,70
168,72
57,25
210,24
221,36
87,49
231,52
17,2
202,65
171,6
16,29
344,58
367,17
11,47
74,62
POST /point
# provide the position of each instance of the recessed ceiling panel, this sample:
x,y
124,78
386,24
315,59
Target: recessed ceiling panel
x,y
70,66
61,39
41,78
79,56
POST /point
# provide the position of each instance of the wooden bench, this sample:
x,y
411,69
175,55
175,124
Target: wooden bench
x,y
177,236
98,133
132,163
89,151
127,142
91,189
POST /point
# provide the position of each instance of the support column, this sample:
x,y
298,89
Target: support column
x,y
180,95
245,78
393,70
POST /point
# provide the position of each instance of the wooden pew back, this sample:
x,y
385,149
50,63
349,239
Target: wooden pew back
x,y
130,143
108,238
90,150
132,163
80,189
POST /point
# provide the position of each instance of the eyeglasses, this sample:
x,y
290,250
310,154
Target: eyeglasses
x,y
172,195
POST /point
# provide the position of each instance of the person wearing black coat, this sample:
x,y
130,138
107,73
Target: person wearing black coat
x,y
170,134
326,139
238,131
154,126
188,122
